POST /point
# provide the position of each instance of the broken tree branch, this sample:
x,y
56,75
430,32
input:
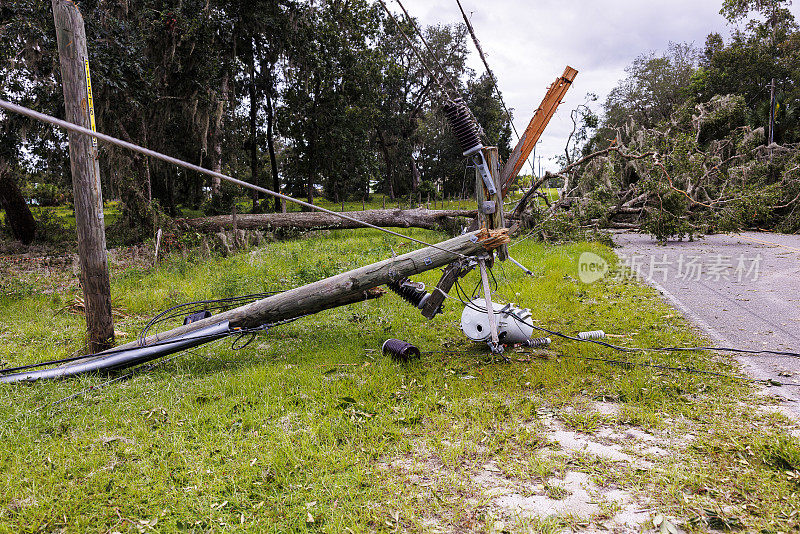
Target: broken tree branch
x,y
604,152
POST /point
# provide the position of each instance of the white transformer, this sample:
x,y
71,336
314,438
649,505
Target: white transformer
x,y
510,329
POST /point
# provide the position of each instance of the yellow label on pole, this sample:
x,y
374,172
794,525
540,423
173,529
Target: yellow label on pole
x,y
90,101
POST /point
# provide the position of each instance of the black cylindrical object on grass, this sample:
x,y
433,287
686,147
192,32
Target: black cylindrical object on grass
x,y
400,350
408,292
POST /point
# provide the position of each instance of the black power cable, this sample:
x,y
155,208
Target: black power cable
x,y
180,310
459,291
688,370
189,308
109,352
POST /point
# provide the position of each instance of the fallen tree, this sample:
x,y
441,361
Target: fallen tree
x,y
302,220
696,174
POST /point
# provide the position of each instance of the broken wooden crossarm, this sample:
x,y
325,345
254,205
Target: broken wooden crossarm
x,y
544,113
451,273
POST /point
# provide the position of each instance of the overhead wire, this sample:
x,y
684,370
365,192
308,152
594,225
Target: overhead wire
x,y
450,95
486,64
492,77
22,110
432,74
436,59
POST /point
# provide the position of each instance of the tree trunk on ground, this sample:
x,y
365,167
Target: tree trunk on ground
x,y
18,214
418,218
88,197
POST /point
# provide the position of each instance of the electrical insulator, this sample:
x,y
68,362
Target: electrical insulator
x,y
409,291
466,131
593,334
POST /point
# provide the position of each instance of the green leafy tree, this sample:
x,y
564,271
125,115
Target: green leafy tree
x,y
329,97
408,94
766,49
654,87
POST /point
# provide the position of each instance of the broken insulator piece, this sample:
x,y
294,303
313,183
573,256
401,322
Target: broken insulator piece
x,y
592,334
536,342
409,291
400,350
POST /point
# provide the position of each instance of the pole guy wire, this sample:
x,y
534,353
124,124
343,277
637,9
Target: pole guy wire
x,y
414,50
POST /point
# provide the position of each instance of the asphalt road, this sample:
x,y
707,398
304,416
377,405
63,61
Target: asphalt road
x,y
743,290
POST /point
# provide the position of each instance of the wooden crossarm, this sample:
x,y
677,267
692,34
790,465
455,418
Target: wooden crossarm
x,y
543,114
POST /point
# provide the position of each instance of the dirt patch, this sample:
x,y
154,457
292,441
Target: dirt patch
x,y
578,497
580,486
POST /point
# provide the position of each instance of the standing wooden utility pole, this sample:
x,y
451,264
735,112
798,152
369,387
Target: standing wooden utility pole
x,y
490,206
85,168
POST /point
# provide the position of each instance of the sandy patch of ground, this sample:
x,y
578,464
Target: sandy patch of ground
x,y
573,494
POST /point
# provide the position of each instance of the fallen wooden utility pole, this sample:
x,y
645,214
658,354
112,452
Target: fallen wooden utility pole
x,y
303,220
346,288
85,168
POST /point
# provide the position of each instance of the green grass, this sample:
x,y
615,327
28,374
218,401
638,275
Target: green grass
x,y
311,422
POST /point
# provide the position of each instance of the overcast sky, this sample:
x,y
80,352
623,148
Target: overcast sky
x,y
528,44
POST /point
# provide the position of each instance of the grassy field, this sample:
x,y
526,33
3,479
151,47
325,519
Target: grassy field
x,y
310,428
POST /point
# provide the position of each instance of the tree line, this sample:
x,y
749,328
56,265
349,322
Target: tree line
x,y
312,98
